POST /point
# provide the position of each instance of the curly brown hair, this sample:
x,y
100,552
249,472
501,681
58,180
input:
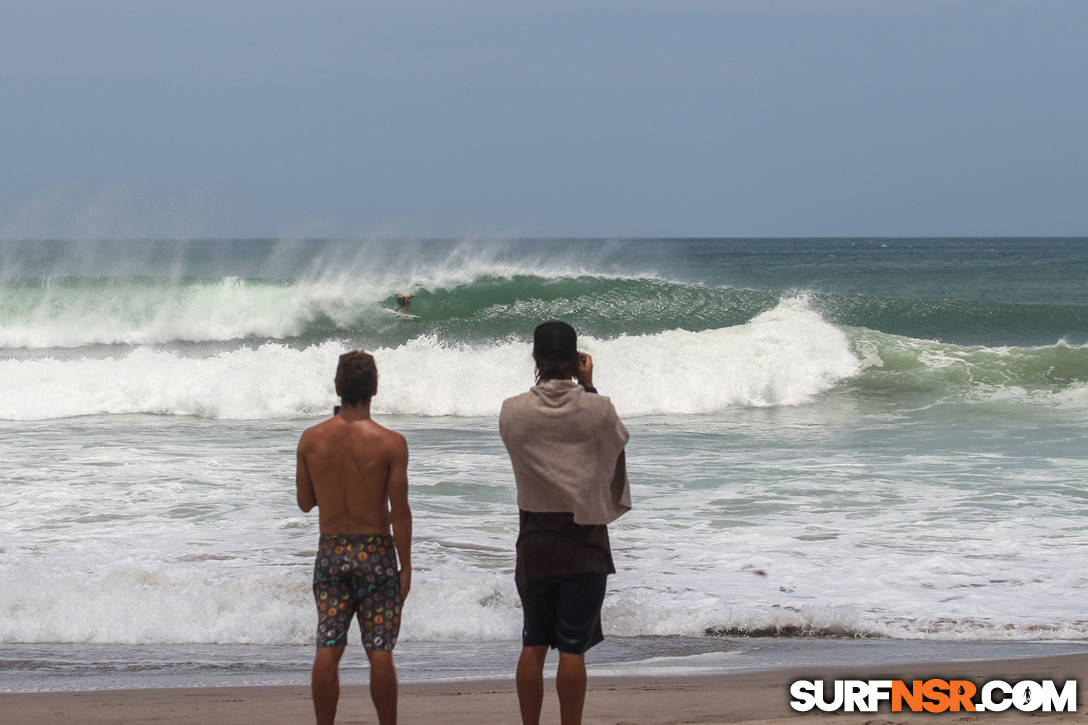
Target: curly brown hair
x,y
356,377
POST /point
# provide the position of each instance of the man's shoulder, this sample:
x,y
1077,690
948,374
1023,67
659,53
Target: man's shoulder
x,y
392,445
606,402
515,399
599,408
314,432
514,402
594,400
396,439
388,437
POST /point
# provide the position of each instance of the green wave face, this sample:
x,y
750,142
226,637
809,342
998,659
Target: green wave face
x,y
146,309
898,364
73,311
986,292
495,307
905,345
961,321
607,307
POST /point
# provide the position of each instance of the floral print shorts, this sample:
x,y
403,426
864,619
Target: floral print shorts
x,y
356,575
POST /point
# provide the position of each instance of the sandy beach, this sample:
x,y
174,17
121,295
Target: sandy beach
x,y
759,697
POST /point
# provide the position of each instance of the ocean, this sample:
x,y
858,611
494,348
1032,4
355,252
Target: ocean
x,y
836,445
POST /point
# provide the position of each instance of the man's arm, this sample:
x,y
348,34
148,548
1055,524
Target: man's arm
x,y
304,486
585,372
400,515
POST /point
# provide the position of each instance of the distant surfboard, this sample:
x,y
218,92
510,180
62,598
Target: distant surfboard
x,y
398,313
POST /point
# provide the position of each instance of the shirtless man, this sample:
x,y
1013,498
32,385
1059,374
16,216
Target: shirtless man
x,y
356,473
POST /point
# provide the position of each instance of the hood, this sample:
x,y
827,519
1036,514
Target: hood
x,y
556,393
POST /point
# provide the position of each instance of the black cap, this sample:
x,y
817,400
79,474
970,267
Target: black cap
x,y
555,340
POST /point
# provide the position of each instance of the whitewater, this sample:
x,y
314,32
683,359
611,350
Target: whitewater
x,y
830,438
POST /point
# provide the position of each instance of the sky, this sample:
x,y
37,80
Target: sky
x,y
734,118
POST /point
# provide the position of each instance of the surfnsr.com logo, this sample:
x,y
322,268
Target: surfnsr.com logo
x,y
933,695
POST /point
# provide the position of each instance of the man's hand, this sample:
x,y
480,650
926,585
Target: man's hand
x,y
405,583
585,369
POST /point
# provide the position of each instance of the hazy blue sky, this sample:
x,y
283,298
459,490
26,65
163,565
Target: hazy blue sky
x,y
463,118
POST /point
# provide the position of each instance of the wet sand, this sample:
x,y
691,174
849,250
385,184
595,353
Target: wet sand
x,y
753,697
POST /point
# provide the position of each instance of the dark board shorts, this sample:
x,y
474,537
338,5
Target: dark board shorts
x,y
563,612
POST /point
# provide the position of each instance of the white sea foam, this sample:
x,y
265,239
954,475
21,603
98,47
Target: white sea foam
x,y
156,530
785,356
1075,397
136,604
137,311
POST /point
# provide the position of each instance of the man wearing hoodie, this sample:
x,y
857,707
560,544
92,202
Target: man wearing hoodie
x,y
566,445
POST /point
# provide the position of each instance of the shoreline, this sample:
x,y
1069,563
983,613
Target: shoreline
x,y
759,697
85,667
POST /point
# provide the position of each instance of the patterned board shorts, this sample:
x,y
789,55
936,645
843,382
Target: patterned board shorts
x,y
356,575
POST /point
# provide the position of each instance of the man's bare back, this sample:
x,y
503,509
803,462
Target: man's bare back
x,y
349,468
